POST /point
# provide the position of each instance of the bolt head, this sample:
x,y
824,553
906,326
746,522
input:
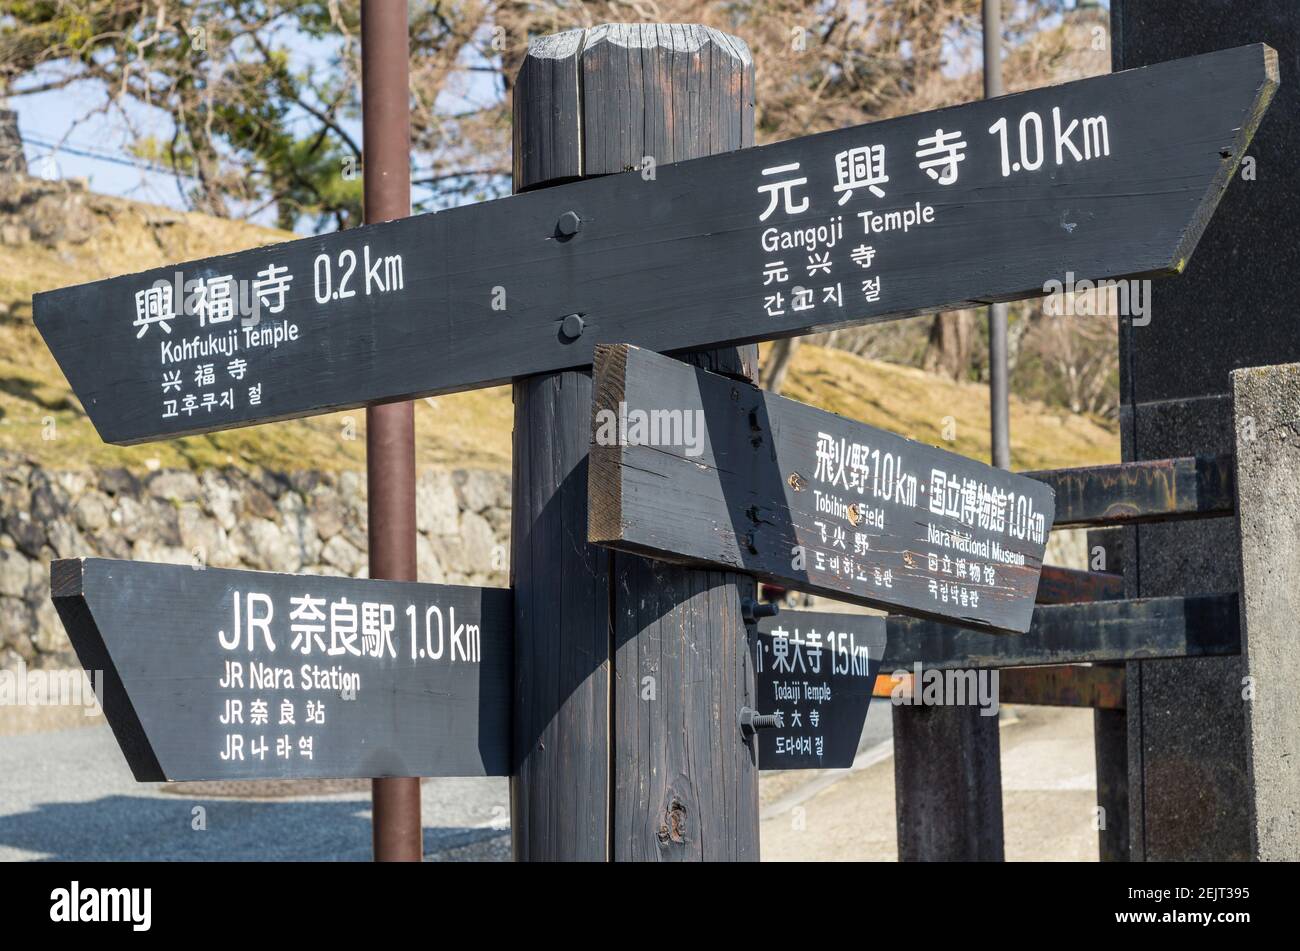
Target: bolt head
x,y
569,224
572,326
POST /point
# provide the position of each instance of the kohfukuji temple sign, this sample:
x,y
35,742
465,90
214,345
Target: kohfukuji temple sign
x,y
815,673
690,466
1105,177
219,674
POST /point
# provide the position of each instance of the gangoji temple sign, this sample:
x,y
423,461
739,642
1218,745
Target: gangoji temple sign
x,y
991,200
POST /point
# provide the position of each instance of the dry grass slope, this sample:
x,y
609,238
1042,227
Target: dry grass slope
x,y
928,408
53,234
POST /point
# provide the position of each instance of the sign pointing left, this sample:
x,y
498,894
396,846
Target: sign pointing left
x,y
815,673
210,673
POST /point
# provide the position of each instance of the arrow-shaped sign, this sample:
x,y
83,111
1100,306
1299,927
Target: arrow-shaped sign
x,y
1110,176
690,466
215,674
815,673
209,673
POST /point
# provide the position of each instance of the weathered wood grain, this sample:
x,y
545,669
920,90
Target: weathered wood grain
x,y
1099,686
178,656
1145,629
1059,585
750,481
1157,490
631,673
684,253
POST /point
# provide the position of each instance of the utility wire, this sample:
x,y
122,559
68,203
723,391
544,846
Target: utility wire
x,y
102,156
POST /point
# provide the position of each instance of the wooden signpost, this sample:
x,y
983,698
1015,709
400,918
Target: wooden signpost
x,y
687,465
815,673
217,674
1110,176
211,673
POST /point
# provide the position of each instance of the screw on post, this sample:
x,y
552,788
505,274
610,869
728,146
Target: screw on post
x,y
751,721
752,610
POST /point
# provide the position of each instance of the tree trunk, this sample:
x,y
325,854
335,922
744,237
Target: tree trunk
x,y
778,363
948,351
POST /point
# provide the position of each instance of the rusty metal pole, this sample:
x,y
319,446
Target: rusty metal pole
x,y
390,429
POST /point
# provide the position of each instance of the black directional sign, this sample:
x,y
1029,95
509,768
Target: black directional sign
x,y
686,465
816,671
992,200
218,674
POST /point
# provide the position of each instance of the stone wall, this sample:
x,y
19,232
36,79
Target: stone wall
x,y
307,522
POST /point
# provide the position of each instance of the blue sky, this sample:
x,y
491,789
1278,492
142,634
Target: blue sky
x,y
74,132
68,134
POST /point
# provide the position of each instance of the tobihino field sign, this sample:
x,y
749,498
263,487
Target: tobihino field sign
x,y
807,499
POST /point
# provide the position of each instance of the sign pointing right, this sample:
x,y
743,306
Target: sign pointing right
x,y
691,466
1106,177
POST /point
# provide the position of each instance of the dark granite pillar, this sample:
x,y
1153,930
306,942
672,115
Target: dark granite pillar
x,y
1234,307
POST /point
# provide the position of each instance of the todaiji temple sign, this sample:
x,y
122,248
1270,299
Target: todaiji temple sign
x,y
815,673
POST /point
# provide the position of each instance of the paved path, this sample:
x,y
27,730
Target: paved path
x,y
1048,796
67,794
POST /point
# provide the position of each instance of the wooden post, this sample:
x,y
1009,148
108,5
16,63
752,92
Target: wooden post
x,y
1110,745
629,674
1265,408
947,784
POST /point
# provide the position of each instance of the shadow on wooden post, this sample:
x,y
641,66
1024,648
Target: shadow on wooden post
x,y
629,673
